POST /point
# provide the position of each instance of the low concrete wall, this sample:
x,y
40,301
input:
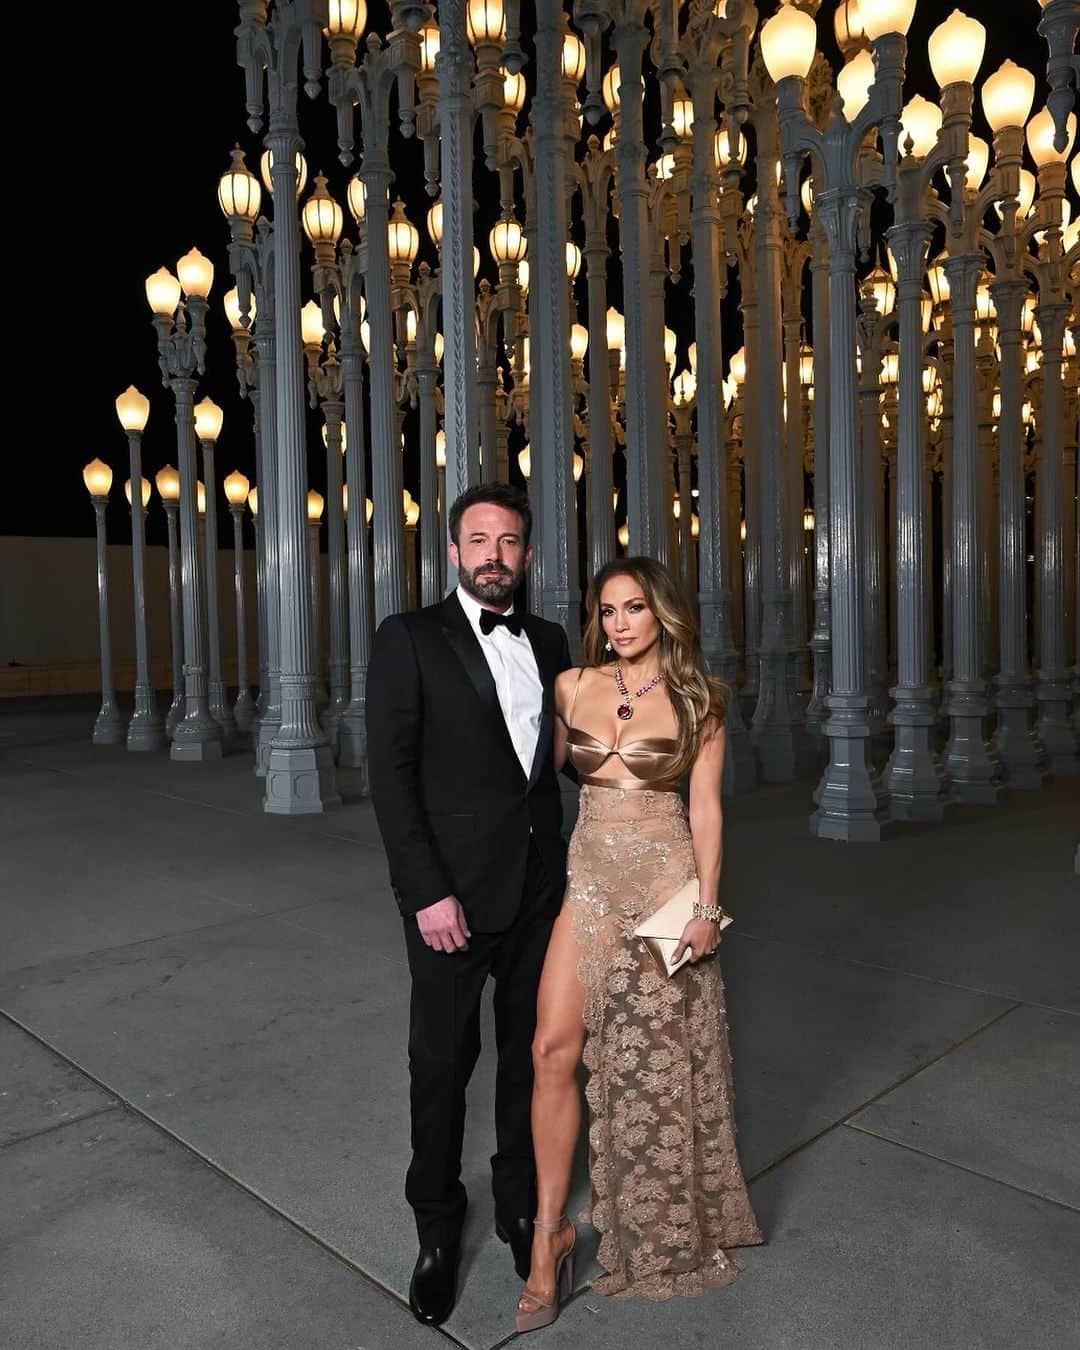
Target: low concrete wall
x,y
49,615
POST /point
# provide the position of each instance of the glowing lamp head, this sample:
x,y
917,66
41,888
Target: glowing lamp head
x,y
485,21
956,50
208,420
514,91
231,301
854,83
921,120
788,42
579,341
321,217
685,388
616,330
440,449
163,292
525,461
404,237
506,240
881,17
1040,138
98,478
196,273
430,42
311,325
315,505
236,488
167,481
239,193
1007,96
573,58
133,409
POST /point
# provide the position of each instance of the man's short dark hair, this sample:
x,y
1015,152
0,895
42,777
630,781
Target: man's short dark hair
x,y
497,494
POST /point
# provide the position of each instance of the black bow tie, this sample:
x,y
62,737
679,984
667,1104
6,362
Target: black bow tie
x,y
489,621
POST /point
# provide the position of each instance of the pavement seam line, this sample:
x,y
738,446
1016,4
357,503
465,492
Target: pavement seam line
x,y
242,1186
891,1087
59,1125
209,806
963,1167
168,937
896,970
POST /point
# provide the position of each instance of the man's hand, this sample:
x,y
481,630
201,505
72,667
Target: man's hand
x,y
443,927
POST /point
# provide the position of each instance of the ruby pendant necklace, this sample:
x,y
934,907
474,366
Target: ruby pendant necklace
x,y
625,710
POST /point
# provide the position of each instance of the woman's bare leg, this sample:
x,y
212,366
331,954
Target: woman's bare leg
x,y
556,1103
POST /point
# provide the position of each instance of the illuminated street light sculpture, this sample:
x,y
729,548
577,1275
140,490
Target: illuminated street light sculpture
x,y
146,730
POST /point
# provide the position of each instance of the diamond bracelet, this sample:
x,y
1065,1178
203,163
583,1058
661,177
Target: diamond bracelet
x,y
711,913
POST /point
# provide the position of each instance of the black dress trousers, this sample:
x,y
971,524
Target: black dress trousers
x,y
444,1043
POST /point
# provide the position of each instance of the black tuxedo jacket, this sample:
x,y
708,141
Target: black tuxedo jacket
x,y
454,807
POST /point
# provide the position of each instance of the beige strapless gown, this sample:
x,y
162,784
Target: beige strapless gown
x,y
668,1194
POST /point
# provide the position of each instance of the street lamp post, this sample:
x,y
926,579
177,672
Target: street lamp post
x,y
237,488
168,486
208,422
850,797
300,770
1053,692
146,730
108,728
181,330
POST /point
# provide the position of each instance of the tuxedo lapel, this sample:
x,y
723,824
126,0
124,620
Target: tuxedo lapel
x,y
459,634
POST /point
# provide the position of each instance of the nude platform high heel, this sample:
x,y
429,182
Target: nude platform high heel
x,y
544,1313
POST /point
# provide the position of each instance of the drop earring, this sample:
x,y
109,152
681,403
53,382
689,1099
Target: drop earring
x,y
607,645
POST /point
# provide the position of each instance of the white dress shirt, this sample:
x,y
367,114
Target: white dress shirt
x,y
517,680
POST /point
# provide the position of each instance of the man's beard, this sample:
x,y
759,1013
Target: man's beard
x,y
491,583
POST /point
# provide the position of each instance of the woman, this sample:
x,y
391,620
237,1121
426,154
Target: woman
x,y
668,1195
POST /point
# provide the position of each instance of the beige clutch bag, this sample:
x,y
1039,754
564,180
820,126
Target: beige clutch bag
x,y
660,932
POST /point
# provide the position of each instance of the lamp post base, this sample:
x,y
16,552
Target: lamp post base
x,y
269,725
300,781
972,770
244,712
778,733
222,713
1019,750
914,778
852,805
352,745
174,716
146,731
108,729
1054,724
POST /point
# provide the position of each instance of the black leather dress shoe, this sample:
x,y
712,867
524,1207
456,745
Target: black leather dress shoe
x,y
434,1284
519,1234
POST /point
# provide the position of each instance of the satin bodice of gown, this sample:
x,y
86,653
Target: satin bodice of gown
x,y
647,761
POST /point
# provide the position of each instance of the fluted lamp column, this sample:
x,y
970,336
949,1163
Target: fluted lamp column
x,y
108,729
208,423
146,730
167,481
237,488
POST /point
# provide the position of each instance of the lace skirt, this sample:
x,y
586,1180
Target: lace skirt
x,y
668,1195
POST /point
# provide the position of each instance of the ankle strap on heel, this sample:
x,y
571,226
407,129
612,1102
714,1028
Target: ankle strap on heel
x,y
546,1227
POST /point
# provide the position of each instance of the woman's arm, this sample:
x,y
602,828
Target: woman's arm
x,y
564,690
707,833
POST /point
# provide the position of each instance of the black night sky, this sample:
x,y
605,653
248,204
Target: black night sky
x,y
156,127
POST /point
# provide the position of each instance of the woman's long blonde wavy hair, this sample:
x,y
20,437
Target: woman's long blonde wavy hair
x,y
698,698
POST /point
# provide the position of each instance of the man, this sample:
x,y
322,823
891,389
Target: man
x,y
460,738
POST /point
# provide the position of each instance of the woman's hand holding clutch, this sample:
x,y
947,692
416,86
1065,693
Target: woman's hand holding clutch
x,y
700,937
